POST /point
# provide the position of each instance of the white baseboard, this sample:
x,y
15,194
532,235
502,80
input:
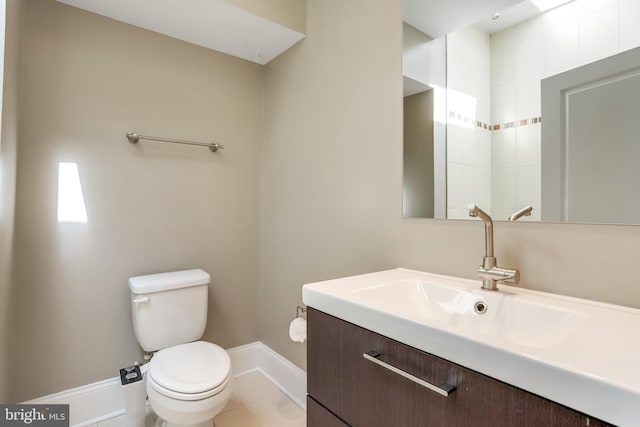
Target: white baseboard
x,y
90,403
99,401
258,357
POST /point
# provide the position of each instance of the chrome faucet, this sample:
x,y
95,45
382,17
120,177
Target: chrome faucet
x,y
526,211
489,271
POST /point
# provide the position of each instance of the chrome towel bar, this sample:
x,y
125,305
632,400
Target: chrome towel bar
x,y
134,138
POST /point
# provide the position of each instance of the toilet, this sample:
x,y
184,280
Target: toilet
x,y
188,381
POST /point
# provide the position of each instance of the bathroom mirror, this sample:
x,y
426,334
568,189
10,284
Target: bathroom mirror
x,y
535,107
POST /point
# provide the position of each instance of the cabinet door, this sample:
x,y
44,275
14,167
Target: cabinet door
x,y
319,416
364,394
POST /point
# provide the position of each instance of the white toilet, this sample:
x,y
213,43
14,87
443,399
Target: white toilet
x,y
188,381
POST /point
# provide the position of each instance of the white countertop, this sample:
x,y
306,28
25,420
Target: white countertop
x,y
579,353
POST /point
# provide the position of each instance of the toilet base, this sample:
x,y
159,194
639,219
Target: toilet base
x,y
163,423
188,413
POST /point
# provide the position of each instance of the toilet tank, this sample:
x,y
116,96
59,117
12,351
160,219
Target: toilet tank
x,y
169,308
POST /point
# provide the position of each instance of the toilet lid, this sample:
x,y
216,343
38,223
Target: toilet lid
x,y
195,367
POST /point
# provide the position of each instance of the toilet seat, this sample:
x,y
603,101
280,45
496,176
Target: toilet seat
x,y
191,371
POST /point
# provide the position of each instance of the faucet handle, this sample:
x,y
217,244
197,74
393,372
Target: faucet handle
x,y
490,277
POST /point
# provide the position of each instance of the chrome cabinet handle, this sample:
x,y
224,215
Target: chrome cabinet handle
x,y
444,389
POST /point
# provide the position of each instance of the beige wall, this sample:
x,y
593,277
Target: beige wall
x,y
8,161
331,176
151,207
331,183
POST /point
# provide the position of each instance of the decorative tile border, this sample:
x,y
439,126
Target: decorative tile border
x,y
518,123
471,121
493,128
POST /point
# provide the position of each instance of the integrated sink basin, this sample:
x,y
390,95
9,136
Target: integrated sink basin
x,y
579,353
516,317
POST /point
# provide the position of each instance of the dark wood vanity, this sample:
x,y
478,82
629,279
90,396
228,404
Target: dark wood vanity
x,y
346,389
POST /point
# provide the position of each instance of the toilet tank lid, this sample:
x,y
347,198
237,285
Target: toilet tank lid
x,y
167,281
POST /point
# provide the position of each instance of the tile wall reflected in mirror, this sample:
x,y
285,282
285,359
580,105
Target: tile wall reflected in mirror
x,y
494,118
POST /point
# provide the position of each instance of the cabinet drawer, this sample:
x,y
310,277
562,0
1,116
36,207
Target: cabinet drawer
x,y
363,393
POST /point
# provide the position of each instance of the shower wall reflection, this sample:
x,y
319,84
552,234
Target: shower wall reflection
x,y
495,69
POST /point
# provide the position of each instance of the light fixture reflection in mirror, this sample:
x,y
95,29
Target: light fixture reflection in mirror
x,y
71,207
495,155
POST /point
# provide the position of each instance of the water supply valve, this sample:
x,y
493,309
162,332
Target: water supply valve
x,y
135,395
130,374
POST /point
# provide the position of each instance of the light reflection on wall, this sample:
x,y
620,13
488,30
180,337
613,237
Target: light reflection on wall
x,y
71,207
463,107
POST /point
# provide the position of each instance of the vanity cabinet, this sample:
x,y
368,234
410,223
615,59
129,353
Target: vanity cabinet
x,y
346,389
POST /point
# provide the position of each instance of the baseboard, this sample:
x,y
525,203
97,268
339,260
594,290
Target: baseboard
x,y
257,356
102,400
89,404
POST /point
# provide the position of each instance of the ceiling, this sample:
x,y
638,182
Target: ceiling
x,y
509,17
213,24
412,87
438,17
218,25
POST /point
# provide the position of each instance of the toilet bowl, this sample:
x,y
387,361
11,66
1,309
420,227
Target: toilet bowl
x,y
189,384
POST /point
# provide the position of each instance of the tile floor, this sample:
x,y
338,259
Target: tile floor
x,y
256,402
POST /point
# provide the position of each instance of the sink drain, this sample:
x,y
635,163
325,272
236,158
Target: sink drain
x,y
480,307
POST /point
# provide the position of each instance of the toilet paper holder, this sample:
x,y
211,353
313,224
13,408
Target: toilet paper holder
x,y
300,311
298,326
